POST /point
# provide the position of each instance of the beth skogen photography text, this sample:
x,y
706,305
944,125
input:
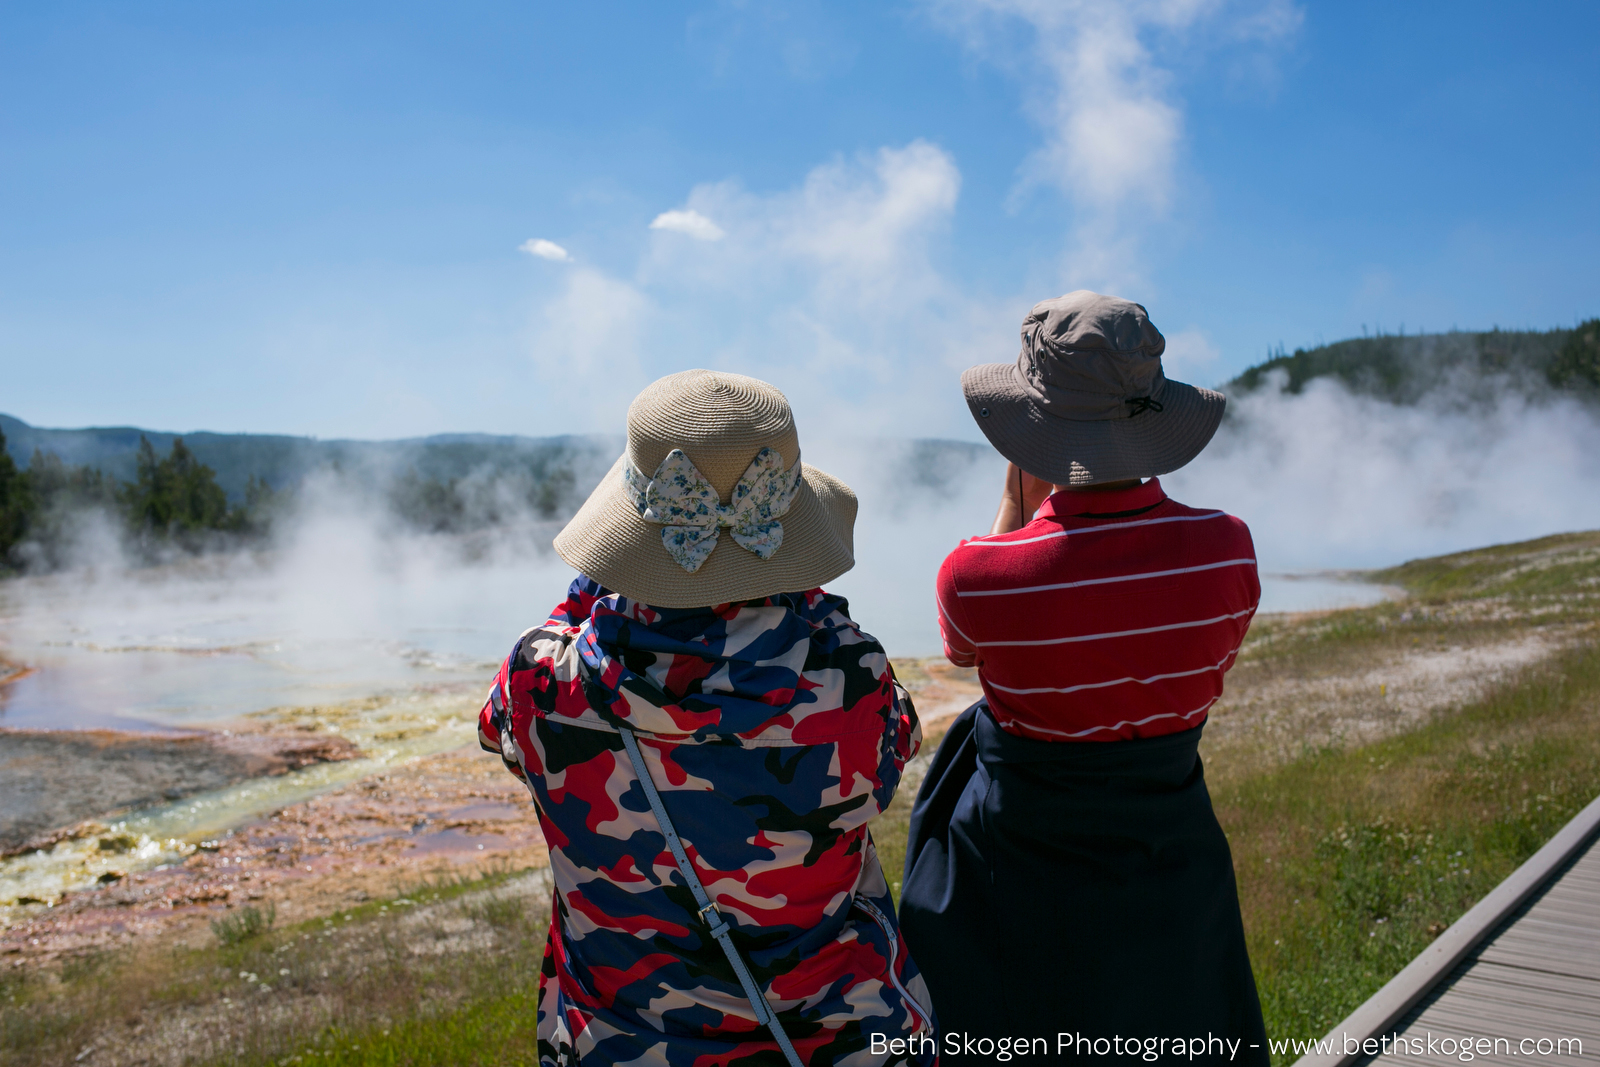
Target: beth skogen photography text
x,y
774,533
1464,1048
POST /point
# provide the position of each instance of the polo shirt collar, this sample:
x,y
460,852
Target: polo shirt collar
x,y
1071,503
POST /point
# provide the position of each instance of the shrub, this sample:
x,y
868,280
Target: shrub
x,y
250,922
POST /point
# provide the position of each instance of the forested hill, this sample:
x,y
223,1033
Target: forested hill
x,y
165,493
1403,368
283,461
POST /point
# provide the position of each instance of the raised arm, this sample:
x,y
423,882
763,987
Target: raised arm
x,y
1020,497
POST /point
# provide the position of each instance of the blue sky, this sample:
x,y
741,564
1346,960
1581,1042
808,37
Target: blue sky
x,y
320,218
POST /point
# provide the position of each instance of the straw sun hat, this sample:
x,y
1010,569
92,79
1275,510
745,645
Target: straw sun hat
x,y
710,503
1087,401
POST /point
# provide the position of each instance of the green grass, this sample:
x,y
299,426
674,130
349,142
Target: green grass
x,y
1560,566
443,973
495,1029
1351,862
246,923
890,833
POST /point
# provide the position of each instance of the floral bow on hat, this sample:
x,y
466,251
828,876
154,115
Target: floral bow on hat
x,y
679,498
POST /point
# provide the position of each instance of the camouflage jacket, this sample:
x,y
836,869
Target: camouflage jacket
x,y
775,732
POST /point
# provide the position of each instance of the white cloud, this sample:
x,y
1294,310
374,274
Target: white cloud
x,y
688,222
1189,355
869,216
584,342
840,288
538,246
832,289
858,230
1111,127
590,328
1111,119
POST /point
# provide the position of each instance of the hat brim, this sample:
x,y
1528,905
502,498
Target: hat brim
x,y
608,541
1083,452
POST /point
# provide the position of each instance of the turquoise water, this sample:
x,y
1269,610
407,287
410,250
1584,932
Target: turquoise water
x,y
1321,591
396,661
177,649
150,837
393,655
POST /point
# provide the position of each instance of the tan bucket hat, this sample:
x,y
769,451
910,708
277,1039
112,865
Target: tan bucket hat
x,y
710,504
1087,401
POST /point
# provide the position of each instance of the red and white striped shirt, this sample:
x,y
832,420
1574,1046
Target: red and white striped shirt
x,y
1112,615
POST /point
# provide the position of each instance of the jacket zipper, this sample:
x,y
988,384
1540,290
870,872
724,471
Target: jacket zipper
x,y
877,916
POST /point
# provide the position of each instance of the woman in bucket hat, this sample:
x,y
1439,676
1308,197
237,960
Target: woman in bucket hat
x,y
1066,876
706,735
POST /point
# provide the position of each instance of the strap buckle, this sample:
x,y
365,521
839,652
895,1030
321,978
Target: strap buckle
x,y
714,922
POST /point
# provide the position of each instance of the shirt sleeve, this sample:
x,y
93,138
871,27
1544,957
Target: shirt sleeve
x,y
959,648
888,754
494,721
908,736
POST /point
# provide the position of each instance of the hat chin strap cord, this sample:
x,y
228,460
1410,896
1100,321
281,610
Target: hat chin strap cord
x,y
708,910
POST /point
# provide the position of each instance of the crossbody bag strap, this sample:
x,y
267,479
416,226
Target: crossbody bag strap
x,y
708,910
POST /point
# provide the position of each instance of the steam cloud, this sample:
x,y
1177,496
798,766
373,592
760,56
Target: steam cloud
x,y
1329,479
346,601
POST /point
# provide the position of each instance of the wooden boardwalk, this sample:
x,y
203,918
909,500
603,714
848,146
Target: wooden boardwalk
x,y
1521,969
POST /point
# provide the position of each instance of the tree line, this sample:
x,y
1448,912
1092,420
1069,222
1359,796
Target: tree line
x,y
174,501
1403,368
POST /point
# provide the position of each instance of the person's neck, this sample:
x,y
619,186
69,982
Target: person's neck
x,y
1100,487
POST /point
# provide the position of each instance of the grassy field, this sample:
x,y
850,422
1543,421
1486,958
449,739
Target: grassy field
x,y
443,972
1351,861
1354,848
1352,858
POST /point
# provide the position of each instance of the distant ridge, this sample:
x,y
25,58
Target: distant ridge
x,y
1403,368
284,461
924,465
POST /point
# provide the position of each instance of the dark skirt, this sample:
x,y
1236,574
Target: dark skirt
x,y
1073,892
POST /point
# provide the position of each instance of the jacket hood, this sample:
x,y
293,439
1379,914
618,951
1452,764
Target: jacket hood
x,y
731,670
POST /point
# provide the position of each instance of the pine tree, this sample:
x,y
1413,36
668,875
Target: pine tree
x,y
1578,362
176,495
16,503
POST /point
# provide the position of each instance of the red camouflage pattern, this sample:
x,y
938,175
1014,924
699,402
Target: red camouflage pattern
x,y
775,732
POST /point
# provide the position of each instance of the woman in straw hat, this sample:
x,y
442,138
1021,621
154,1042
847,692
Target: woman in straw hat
x,y
1066,874
706,735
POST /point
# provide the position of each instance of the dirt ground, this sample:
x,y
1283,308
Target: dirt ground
x,y
375,837
55,778
939,691
462,811
1271,713
379,836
